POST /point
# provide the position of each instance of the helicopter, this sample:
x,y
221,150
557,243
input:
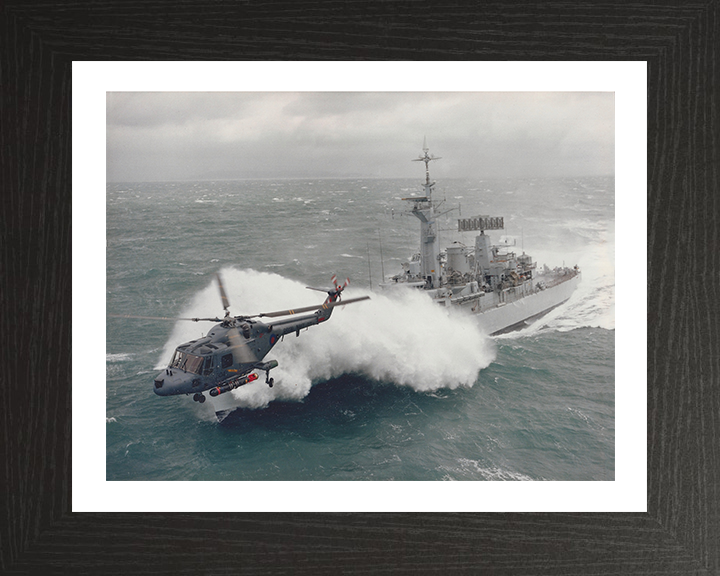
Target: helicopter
x,y
233,350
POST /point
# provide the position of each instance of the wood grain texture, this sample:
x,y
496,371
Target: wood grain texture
x,y
681,531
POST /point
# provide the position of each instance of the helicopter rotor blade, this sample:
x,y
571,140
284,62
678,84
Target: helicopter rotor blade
x,y
350,301
338,288
164,318
239,347
223,295
311,308
326,290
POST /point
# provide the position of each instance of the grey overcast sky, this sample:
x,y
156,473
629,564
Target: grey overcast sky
x,y
205,135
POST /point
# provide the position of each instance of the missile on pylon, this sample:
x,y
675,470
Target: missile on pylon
x,y
232,385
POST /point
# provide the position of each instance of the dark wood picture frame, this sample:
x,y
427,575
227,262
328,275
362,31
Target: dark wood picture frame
x,y
680,533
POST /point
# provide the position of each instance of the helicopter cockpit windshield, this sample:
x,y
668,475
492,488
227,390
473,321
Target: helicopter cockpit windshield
x,y
187,362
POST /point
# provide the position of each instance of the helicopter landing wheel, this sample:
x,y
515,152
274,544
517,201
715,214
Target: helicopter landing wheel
x,y
202,398
196,398
271,382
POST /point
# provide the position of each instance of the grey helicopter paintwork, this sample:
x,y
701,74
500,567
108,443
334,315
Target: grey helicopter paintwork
x,y
233,349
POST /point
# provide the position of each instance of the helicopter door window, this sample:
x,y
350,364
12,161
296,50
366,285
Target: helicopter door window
x,y
227,360
207,370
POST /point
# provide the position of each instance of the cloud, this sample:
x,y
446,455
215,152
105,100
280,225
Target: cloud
x,y
167,136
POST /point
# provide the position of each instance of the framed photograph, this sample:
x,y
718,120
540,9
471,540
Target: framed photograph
x,y
248,196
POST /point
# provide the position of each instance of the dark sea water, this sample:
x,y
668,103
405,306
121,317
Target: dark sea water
x,y
388,389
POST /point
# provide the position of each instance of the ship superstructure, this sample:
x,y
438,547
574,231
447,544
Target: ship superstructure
x,y
504,289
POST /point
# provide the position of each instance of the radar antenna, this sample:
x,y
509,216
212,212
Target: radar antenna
x,y
427,158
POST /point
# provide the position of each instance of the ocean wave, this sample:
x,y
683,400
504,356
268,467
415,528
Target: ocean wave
x,y
588,307
467,466
118,357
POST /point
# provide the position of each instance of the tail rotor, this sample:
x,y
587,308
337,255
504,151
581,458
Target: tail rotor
x,y
334,292
339,287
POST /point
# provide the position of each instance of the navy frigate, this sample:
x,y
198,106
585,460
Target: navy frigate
x,y
505,290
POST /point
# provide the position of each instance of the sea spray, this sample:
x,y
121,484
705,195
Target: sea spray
x,y
592,305
401,338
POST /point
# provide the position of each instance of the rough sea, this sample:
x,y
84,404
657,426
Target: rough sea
x,y
392,388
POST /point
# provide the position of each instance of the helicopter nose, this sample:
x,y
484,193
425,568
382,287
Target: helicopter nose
x,y
171,383
159,383
165,383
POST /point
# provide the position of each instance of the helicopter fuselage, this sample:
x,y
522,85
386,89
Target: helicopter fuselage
x,y
224,358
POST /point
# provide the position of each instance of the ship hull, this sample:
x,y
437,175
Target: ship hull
x,y
519,313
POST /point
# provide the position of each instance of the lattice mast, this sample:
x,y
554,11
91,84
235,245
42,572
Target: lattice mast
x,y
424,210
